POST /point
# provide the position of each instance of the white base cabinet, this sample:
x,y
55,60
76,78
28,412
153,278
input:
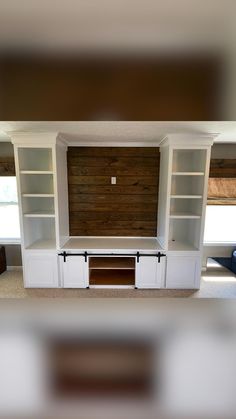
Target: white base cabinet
x,y
183,272
41,269
150,273
74,272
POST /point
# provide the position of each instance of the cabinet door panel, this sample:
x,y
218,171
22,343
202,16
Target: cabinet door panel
x,y
183,272
75,272
40,270
150,273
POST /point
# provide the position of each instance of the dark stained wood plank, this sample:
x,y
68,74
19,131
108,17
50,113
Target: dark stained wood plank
x,y
113,171
76,216
114,233
137,207
113,162
129,190
106,199
7,166
114,224
223,168
121,180
113,152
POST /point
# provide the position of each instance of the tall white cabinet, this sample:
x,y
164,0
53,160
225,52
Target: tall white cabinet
x,y
41,169
185,163
43,203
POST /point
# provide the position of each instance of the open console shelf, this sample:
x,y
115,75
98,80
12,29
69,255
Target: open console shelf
x,y
112,271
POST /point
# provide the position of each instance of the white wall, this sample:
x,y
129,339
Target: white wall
x,y
223,151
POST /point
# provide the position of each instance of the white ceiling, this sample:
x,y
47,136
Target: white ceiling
x,y
120,131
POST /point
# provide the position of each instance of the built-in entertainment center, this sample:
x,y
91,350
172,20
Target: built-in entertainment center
x,y
155,207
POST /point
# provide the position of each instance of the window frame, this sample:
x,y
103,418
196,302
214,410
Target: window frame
x,y
12,240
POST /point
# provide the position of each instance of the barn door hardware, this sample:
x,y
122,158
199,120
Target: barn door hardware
x,y
159,255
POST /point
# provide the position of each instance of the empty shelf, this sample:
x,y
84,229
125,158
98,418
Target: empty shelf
x,y
111,263
112,277
36,172
188,173
186,196
40,214
38,195
184,215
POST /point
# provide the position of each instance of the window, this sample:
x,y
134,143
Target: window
x,y
9,212
220,224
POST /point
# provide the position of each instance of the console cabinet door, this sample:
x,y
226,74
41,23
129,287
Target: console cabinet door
x,y
40,270
150,273
74,272
183,272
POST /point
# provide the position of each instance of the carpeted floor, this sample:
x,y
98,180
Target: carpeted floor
x,y
217,282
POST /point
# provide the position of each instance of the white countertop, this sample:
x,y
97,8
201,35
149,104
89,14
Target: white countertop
x,y
112,243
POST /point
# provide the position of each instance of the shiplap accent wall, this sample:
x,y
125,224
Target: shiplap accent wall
x,y
98,208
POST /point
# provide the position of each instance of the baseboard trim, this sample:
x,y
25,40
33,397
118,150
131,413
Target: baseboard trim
x,y
14,268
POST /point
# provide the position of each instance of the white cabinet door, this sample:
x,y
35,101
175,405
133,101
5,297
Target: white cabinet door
x,y
75,272
40,270
183,272
150,273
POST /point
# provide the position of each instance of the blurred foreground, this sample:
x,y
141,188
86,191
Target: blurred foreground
x,y
117,60
116,359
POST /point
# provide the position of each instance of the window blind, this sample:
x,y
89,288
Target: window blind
x,y
222,182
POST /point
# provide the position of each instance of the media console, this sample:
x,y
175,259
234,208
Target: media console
x,y
51,258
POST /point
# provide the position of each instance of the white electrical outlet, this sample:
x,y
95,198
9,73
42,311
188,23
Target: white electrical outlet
x,y
113,180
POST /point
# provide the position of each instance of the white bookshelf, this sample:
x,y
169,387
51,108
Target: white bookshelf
x,y
187,191
36,178
184,170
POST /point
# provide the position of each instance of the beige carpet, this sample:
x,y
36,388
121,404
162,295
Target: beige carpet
x,y
217,282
